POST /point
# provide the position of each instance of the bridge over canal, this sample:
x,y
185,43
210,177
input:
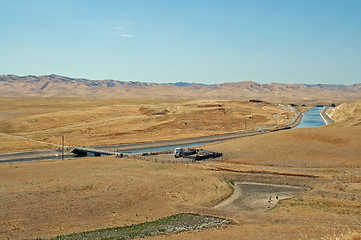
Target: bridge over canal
x,y
84,151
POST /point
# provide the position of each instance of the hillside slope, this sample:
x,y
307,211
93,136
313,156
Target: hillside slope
x,y
59,86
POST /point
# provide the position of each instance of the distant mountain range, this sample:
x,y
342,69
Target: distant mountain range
x,y
60,86
186,84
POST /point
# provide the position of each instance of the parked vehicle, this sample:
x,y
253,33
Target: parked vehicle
x,y
177,152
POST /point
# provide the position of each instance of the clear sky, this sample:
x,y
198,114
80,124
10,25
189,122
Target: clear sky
x,y
205,41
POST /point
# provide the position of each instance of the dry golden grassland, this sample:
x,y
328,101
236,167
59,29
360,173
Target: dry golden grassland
x,y
56,197
326,146
348,114
337,145
10,144
102,122
331,210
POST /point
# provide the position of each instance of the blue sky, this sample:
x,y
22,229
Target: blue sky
x,y
205,41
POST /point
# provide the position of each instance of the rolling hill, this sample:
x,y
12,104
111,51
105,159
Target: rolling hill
x,y
60,86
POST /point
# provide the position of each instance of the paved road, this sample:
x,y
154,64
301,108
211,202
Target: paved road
x,y
49,154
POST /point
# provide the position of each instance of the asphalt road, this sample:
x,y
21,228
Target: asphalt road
x,y
54,153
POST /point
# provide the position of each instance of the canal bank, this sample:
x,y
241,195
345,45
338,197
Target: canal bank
x,y
325,117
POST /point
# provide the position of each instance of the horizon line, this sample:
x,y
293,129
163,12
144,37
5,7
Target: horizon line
x,y
177,82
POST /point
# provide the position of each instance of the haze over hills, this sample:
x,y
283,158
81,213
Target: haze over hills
x,y
60,86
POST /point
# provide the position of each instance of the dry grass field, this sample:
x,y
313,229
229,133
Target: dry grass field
x,y
48,198
102,122
53,197
347,114
336,145
313,147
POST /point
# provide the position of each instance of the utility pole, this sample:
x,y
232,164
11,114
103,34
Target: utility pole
x,y
62,148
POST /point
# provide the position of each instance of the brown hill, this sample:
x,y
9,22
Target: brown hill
x,y
55,86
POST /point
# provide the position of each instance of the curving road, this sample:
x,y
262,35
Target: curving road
x,y
53,153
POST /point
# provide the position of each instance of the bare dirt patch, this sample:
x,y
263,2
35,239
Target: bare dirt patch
x,y
325,210
258,197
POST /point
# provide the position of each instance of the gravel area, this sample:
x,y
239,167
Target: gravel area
x,y
258,197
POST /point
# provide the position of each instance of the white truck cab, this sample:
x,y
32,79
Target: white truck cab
x,y
177,152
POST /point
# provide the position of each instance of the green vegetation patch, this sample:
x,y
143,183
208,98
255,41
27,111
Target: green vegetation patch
x,y
173,224
230,181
